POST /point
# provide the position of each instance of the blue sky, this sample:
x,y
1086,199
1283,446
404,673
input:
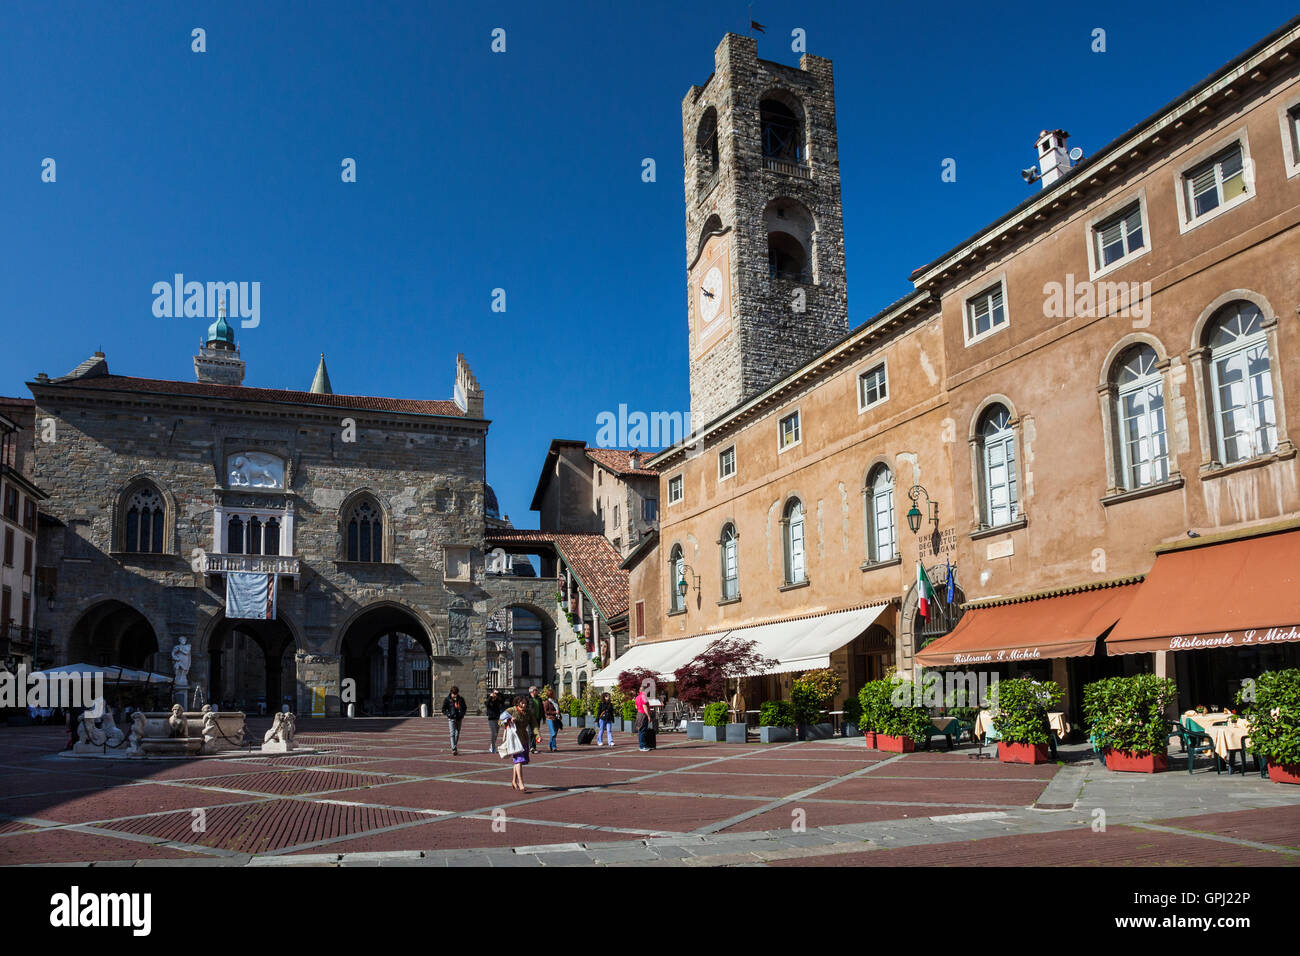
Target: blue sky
x,y
519,170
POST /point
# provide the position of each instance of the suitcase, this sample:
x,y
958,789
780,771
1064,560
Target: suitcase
x,y
586,736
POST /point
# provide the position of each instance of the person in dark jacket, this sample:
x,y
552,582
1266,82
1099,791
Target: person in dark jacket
x,y
551,710
453,708
605,719
493,706
537,714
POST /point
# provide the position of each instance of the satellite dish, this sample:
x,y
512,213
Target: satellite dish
x,y
1076,154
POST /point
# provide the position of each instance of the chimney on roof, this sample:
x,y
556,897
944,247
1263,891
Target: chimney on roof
x,y
1053,160
634,460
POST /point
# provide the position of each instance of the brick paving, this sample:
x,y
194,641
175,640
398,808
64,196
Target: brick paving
x,y
390,792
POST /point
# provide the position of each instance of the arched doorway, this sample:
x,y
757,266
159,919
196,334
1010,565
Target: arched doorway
x,y
112,632
251,666
915,631
388,653
521,648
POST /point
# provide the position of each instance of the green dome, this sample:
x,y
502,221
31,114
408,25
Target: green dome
x,y
220,331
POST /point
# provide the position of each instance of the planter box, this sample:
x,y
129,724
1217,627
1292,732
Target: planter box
x,y
775,735
870,737
816,731
717,735
579,721
694,730
1284,772
1136,762
736,734
1023,753
848,729
895,745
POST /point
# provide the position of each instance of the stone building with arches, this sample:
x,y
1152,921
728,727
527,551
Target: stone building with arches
x,y
364,515
1087,407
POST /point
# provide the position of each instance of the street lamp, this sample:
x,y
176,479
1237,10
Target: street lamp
x,y
914,513
682,585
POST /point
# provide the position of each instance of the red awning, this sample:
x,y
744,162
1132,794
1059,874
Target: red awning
x,y
1031,628
1233,594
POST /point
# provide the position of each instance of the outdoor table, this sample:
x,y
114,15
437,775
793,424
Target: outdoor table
x,y
1228,737
835,716
949,727
1200,723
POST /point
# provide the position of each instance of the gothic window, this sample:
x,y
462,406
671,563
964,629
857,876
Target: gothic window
x,y
1241,384
793,534
364,525
880,514
145,513
730,569
235,531
997,455
1139,412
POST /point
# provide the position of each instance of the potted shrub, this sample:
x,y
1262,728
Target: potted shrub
x,y
1274,716
852,714
715,723
629,716
1128,714
776,722
873,702
1018,707
811,693
565,703
900,721
703,680
578,712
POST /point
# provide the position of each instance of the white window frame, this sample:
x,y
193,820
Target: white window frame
x,y
883,367
875,513
1156,463
1288,116
1010,463
1186,221
967,325
730,562
676,601
723,476
1214,358
797,415
1095,267
793,574
677,482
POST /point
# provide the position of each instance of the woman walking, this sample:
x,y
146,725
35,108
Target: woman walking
x,y
552,713
605,719
453,708
493,706
518,723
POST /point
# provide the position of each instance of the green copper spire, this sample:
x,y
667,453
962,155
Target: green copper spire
x,y
321,383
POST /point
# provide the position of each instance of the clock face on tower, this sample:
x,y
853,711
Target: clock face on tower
x,y
710,296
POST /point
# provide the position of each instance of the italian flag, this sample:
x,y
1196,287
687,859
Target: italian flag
x,y
924,591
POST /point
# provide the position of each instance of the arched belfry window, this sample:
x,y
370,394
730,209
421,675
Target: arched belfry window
x,y
145,520
1241,384
790,230
793,538
1139,418
706,142
363,527
781,130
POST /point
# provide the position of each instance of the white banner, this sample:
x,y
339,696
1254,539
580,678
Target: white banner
x,y
250,595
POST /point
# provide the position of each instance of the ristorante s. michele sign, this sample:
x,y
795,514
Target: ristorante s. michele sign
x,y
992,657
1272,635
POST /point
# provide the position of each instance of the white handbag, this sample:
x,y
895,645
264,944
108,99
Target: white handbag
x,y
511,744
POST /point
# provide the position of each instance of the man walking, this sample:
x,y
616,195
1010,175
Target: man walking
x,y
537,714
453,708
493,707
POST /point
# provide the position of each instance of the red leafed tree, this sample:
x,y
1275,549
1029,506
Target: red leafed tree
x,y
629,682
704,680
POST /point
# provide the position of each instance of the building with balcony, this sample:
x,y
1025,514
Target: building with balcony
x,y
20,501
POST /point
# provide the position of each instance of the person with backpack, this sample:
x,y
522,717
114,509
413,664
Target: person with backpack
x,y
493,706
453,708
605,719
551,710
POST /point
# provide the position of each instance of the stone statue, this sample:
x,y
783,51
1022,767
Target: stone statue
x,y
176,722
138,720
106,734
210,731
181,662
279,739
256,470
288,728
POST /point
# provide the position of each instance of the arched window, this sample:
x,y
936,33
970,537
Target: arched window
x,y
781,132
364,525
790,229
795,571
706,142
235,535
145,520
730,567
676,600
880,514
997,455
1241,383
786,259
1140,418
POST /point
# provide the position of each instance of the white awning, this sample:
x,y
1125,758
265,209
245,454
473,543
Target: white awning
x,y
807,644
802,645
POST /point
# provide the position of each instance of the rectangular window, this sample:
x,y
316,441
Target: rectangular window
x,y
1293,128
29,515
872,387
616,516
985,312
27,611
27,557
650,507
676,489
11,503
789,431
9,547
6,606
1215,182
1119,236
726,462
730,575
640,618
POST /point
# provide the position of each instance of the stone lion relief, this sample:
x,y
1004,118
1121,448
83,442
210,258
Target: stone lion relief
x,y
254,469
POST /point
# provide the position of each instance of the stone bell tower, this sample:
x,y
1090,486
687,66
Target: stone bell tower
x,y
764,226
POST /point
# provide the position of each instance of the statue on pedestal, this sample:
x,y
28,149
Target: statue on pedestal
x,y
181,662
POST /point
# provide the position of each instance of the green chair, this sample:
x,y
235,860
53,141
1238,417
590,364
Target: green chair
x,y
952,728
1194,743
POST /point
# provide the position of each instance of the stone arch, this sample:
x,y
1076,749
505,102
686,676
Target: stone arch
x,y
549,619
707,153
1202,324
228,650
111,631
380,501
370,646
1121,346
909,635
791,230
783,125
